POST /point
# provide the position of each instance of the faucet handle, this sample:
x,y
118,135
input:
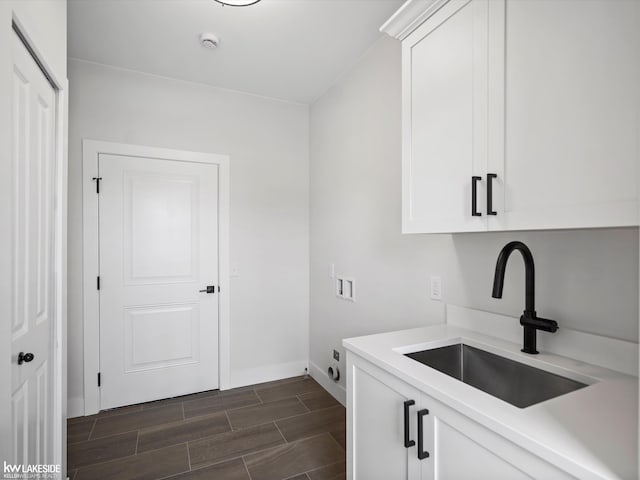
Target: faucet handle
x,y
532,320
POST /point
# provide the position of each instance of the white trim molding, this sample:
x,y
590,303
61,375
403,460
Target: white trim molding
x,y
410,16
267,373
91,149
335,389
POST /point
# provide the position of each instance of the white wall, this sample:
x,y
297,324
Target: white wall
x,y
586,279
267,141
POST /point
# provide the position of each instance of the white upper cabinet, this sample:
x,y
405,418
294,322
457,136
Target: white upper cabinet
x,y
543,94
564,106
445,119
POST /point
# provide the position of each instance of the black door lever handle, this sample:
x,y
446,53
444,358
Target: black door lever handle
x,y
209,289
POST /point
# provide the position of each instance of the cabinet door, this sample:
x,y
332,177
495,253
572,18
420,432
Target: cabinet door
x,y
375,424
463,449
564,113
444,66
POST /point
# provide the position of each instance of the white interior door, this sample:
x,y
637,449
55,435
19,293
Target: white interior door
x,y
158,230
33,269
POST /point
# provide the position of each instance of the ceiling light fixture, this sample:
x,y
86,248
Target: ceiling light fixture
x,y
238,3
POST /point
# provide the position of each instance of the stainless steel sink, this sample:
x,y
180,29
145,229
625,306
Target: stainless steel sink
x,y
513,382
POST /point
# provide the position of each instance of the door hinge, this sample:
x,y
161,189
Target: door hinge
x,y
99,380
97,180
98,283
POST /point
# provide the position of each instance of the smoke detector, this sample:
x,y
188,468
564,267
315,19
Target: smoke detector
x,y
209,40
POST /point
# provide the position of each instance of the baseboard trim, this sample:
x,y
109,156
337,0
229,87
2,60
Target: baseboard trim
x,y
267,373
335,389
75,407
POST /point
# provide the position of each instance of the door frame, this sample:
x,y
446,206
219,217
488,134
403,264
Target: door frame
x,y
13,24
91,149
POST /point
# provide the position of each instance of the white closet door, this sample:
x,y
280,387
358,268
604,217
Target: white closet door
x,y
33,266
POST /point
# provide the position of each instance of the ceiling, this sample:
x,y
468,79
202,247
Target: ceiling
x,y
287,49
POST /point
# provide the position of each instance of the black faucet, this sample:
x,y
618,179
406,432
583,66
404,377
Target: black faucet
x,y
529,320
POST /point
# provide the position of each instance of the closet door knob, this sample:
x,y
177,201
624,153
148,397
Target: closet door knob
x,y
25,358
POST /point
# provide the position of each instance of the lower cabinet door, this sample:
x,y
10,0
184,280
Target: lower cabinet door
x,y
464,449
376,424
435,442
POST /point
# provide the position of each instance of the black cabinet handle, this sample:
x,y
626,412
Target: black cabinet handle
x,y
407,443
421,453
490,177
474,196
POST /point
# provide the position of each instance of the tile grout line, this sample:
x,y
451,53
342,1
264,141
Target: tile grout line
x,y
245,467
137,441
303,404
324,466
228,421
188,455
207,414
280,432
179,474
266,422
91,432
239,456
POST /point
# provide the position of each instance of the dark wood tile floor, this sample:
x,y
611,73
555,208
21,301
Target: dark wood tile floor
x,y
288,429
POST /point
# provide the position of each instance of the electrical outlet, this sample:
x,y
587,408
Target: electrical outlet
x,y
436,288
336,355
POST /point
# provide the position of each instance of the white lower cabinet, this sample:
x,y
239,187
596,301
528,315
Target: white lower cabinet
x,y
385,440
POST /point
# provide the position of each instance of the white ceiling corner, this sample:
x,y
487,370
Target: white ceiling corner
x,y
287,49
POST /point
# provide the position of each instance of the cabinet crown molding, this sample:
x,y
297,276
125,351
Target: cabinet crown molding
x,y
410,16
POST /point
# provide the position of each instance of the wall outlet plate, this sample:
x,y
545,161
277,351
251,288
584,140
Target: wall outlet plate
x,y
436,288
346,288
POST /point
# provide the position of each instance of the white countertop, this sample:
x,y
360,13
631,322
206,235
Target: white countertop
x,y
590,433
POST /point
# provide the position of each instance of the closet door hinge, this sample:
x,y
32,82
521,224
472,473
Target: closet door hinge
x,y
98,283
99,380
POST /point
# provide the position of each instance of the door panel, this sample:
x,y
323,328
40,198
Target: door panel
x,y
161,336
158,249
160,229
33,236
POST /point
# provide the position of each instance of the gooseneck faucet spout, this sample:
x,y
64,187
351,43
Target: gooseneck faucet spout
x,y
529,319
